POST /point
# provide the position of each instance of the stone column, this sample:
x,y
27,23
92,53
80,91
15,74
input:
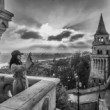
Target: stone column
x,y
2,4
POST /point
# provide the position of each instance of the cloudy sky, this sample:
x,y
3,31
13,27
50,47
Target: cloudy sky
x,y
53,25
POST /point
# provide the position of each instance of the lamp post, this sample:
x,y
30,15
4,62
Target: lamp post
x,y
77,85
99,97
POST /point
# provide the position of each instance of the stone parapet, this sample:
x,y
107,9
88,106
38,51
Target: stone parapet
x,y
41,93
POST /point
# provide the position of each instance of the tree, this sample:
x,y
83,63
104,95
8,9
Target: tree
x,y
80,64
62,98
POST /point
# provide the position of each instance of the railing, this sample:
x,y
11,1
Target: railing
x,y
41,95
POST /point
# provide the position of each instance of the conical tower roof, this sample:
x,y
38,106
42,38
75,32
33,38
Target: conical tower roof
x,y
101,27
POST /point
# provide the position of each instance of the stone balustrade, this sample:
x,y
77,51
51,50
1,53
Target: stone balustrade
x,y
41,95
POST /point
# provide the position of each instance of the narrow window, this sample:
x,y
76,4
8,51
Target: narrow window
x,y
101,52
107,52
97,51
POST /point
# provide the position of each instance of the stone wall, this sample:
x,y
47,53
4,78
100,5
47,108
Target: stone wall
x,y
39,96
89,97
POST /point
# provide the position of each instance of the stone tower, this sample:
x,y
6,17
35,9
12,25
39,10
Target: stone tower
x,y
100,58
5,17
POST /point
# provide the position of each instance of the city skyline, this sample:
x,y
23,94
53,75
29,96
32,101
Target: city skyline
x,y
53,25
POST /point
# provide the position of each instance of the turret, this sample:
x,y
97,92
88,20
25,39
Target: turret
x,y
101,36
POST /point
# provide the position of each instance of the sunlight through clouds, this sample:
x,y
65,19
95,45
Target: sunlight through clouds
x,y
13,38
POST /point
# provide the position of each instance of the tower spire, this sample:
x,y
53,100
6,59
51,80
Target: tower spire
x,y
101,30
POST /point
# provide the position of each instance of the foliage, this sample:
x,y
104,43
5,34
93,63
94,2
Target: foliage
x,y
66,68
81,65
62,98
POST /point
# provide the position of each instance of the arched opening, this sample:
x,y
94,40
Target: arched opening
x,y
99,52
45,105
101,65
102,39
107,52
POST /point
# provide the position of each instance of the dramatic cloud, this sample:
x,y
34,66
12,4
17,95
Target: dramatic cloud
x,y
64,34
33,35
83,25
37,25
75,37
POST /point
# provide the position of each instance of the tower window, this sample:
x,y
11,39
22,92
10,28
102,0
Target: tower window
x,y
98,39
107,52
99,52
102,39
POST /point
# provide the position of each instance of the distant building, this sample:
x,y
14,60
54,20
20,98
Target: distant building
x,y
100,58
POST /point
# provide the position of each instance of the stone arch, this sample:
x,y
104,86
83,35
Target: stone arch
x,y
45,105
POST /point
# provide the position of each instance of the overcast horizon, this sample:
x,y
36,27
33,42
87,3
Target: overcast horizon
x,y
53,26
